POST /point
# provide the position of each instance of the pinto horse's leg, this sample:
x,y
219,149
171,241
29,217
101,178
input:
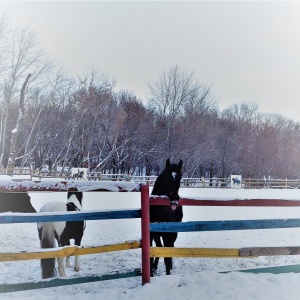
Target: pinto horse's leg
x,y
61,267
68,264
60,260
77,263
78,243
64,241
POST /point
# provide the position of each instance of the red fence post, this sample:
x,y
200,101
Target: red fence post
x,y
145,221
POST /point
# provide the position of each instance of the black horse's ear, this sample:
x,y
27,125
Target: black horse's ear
x,y
168,163
180,164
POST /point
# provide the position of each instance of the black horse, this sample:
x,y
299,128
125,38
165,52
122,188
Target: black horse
x,y
16,202
166,184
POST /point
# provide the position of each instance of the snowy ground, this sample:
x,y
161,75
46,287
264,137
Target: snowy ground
x,y
195,278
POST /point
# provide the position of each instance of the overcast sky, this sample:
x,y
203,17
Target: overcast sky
x,y
248,51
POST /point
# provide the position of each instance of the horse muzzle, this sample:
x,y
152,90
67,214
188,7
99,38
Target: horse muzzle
x,y
174,202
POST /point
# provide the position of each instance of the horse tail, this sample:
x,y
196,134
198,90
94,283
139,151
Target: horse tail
x,y
47,238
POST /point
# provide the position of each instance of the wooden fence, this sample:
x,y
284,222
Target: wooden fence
x,y
198,182
16,173
229,225
146,227
70,250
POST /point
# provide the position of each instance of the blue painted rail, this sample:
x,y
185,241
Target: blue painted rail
x,y
69,216
224,225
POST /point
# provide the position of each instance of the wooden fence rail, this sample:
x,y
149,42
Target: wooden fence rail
x,y
68,251
234,202
249,252
70,216
224,225
6,288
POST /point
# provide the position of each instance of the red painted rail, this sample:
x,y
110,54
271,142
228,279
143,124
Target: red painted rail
x,y
235,202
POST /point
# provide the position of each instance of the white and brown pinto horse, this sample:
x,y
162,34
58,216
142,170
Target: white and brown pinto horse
x,y
62,232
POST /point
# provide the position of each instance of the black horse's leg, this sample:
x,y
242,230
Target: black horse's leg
x,y
158,243
154,262
169,240
151,258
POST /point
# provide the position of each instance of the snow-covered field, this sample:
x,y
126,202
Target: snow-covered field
x,y
195,278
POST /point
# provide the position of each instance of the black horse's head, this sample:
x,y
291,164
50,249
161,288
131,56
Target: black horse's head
x,y
168,183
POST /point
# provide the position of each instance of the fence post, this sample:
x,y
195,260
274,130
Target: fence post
x,y
145,223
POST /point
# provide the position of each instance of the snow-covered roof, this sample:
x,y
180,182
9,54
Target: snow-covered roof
x,y
57,185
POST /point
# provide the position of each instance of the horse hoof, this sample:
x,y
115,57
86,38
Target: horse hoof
x,y
77,269
68,264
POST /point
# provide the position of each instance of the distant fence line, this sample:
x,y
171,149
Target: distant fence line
x,y
198,182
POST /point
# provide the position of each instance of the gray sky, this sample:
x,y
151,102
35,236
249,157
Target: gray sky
x,y
249,51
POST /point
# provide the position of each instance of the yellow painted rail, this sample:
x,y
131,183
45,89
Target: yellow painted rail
x,y
223,252
68,251
193,252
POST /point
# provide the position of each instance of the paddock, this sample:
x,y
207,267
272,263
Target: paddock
x,y
134,256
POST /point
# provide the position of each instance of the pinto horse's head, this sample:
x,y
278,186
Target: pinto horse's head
x,y
168,183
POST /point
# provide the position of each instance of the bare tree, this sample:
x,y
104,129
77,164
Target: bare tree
x,y
175,94
19,126
23,57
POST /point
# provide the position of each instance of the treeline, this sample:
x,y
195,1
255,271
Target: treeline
x,y
85,122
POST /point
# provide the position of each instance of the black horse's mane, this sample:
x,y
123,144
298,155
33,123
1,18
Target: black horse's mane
x,y
164,185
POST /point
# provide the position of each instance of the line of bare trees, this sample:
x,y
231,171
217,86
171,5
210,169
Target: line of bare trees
x,y
83,122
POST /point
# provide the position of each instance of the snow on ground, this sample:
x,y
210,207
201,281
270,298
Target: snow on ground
x,y
83,186
194,278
